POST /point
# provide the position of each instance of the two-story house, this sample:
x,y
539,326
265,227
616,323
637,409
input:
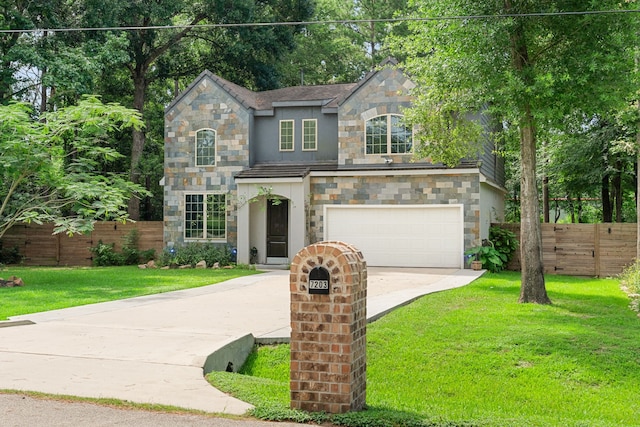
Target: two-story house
x,y
274,171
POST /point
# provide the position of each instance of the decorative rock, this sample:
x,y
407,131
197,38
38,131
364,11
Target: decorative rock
x,y
216,265
202,264
152,264
12,282
166,267
142,266
184,267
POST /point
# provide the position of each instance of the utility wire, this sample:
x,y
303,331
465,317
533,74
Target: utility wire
x,y
332,22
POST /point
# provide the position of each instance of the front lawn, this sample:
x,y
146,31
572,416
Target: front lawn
x,y
51,288
474,356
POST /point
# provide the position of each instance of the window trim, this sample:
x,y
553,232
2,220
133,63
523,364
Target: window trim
x,y
389,133
205,209
315,134
293,135
215,148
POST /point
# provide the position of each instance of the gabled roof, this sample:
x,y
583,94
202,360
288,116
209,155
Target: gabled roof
x,y
321,95
389,61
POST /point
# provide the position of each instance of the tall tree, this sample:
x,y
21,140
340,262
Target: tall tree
x,y
147,45
17,47
348,47
51,165
529,70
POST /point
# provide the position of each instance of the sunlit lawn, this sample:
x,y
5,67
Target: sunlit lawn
x,y
48,288
474,356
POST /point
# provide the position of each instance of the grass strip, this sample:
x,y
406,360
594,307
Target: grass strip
x,y
52,288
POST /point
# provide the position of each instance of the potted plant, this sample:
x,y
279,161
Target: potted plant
x,y
476,264
486,256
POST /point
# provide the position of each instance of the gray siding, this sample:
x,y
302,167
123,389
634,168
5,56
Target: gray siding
x,y
265,140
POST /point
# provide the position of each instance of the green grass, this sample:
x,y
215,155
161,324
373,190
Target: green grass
x,y
474,356
50,288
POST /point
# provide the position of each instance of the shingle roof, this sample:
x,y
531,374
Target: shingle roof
x,y
297,170
329,95
325,93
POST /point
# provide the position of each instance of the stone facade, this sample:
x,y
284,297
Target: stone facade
x,y
386,92
203,107
444,189
247,124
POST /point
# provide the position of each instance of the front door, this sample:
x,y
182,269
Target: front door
x,y
278,230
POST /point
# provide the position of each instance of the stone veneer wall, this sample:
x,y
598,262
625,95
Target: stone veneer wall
x,y
451,188
387,92
203,106
328,332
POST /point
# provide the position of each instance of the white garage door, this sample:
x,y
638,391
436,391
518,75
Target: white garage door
x,y
400,236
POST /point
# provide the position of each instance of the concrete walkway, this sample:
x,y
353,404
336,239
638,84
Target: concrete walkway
x,y
152,349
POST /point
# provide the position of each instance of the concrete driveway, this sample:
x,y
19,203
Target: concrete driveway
x,y
152,349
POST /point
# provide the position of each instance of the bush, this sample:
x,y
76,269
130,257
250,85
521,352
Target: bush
x,y
193,253
496,252
630,284
105,255
10,255
504,241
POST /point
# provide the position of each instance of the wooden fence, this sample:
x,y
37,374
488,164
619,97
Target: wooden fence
x,y
573,249
39,246
597,250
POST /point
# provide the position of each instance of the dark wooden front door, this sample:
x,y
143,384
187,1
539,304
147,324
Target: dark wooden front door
x,y
277,229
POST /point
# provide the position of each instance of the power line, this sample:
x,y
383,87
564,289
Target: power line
x,y
331,22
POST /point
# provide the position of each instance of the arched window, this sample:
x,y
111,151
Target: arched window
x,y
206,147
388,134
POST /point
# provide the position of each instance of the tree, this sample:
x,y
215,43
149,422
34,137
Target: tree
x,y
528,71
594,158
147,47
346,49
50,165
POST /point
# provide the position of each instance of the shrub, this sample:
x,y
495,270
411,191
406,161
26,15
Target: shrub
x,y
630,284
496,252
192,253
504,241
10,255
104,255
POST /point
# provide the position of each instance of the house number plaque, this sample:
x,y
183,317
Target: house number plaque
x,y
319,281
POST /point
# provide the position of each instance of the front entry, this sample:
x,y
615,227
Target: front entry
x,y
277,232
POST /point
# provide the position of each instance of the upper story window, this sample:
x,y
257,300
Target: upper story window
x,y
309,134
286,135
206,147
388,135
205,216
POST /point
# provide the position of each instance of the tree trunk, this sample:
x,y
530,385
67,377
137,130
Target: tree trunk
x,y
545,198
139,138
607,212
532,288
617,190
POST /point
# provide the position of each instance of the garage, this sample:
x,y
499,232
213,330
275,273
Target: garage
x,y
400,236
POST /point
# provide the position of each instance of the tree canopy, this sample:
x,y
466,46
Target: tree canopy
x,y
529,71
51,165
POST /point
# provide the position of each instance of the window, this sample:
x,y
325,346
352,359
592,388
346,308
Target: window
x,y
387,135
310,134
205,216
206,147
286,135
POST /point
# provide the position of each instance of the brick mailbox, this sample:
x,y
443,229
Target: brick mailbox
x,y
328,283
